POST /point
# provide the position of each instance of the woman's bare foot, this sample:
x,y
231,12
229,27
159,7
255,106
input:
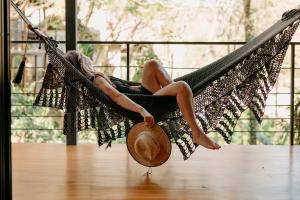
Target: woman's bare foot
x,y
205,141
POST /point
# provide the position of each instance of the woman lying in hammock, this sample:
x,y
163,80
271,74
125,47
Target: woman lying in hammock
x,y
155,81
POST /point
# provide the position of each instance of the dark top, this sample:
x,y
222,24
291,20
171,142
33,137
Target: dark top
x,y
125,88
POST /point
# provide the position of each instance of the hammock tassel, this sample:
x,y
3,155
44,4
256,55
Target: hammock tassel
x,y
108,145
18,77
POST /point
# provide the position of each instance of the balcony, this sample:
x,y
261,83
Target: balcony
x,y
234,172
44,167
278,126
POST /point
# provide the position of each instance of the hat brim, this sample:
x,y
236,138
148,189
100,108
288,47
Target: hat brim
x,y
165,147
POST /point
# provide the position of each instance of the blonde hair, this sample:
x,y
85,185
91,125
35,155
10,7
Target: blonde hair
x,y
84,64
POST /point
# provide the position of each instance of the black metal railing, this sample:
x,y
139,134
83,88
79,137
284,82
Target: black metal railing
x,y
128,66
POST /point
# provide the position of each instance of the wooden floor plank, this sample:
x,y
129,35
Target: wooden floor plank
x,y
57,172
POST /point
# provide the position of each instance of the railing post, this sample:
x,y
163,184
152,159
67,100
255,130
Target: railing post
x,y
128,60
71,24
5,105
292,113
71,44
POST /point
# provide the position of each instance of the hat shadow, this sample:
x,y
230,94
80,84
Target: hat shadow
x,y
146,189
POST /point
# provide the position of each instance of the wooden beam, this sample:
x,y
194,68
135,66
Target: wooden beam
x,y
71,24
71,44
5,116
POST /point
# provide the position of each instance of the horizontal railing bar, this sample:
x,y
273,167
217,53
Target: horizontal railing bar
x,y
134,42
161,42
144,42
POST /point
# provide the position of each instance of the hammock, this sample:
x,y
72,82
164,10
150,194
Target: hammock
x,y
222,90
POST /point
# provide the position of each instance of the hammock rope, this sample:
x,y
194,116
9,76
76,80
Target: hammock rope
x,y
222,90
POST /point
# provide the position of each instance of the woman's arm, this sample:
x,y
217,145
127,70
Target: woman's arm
x,y
122,99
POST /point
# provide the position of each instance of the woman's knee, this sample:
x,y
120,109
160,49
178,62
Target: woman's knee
x,y
183,87
151,65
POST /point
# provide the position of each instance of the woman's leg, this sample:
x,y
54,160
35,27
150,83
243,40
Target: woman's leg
x,y
158,81
184,97
154,76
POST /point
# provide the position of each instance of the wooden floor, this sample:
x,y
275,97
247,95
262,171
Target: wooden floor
x,y
57,172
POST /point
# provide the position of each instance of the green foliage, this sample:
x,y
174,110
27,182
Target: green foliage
x,y
270,131
24,123
34,124
86,33
88,136
253,125
142,8
53,22
87,49
132,7
297,121
146,53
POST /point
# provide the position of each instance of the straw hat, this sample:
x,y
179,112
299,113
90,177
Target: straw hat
x,y
149,146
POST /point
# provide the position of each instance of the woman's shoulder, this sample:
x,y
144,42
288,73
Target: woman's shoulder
x,y
104,77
